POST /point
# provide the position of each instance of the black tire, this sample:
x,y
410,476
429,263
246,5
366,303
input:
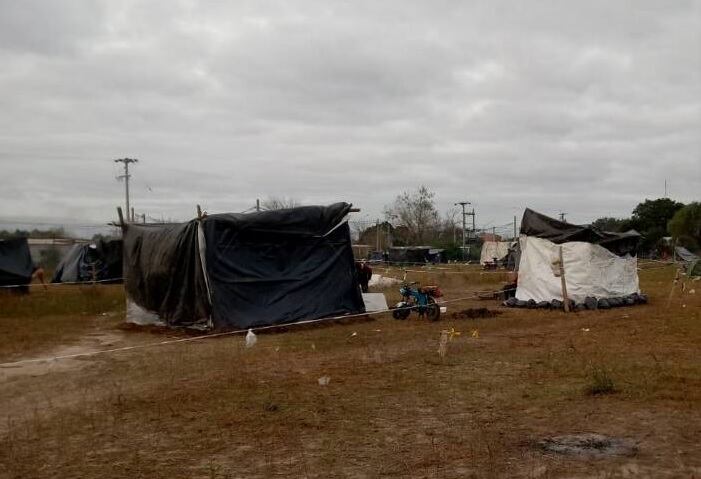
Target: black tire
x,y
401,314
433,311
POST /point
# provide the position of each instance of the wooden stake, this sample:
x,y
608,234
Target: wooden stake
x,y
565,299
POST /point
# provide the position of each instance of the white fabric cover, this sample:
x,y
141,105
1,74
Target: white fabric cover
x,y
590,270
493,249
375,302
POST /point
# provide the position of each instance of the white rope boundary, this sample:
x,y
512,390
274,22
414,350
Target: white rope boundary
x,y
66,283
227,333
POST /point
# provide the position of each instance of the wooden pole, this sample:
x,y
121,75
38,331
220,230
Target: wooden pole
x,y
565,298
199,212
121,216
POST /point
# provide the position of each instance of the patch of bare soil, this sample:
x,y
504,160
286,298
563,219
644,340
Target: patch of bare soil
x,y
475,313
61,358
588,445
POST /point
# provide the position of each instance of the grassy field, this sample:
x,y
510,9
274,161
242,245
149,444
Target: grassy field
x,y
392,407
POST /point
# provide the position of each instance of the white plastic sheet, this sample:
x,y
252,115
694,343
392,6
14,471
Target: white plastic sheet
x,y
493,249
590,270
375,302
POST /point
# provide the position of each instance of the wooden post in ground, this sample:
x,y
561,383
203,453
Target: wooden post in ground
x,y
565,298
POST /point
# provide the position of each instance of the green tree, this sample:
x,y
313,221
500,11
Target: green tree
x,y
651,217
612,224
685,226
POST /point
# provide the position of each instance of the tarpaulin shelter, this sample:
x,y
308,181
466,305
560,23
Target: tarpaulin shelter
x,y
597,264
100,261
16,266
237,271
410,254
692,263
494,249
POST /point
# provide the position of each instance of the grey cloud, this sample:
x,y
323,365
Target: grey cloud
x,y
585,107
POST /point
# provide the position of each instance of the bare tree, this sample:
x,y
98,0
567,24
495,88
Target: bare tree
x,y
279,203
450,223
416,211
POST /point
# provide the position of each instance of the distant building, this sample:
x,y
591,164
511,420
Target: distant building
x,y
43,248
489,237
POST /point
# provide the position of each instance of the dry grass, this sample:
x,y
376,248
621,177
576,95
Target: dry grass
x,y
392,408
61,314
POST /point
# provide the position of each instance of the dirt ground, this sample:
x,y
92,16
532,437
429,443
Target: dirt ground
x,y
392,406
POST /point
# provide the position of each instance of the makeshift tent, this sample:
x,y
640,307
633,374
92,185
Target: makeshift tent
x,y
100,261
597,264
410,254
16,265
236,271
435,255
692,264
494,249
513,257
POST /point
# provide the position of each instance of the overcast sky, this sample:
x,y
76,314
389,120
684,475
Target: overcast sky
x,y
581,106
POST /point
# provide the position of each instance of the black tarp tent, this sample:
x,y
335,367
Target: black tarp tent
x,y
244,270
410,254
16,266
541,226
100,261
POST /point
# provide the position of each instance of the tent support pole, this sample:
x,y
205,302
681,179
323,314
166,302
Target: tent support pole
x,y
565,299
199,212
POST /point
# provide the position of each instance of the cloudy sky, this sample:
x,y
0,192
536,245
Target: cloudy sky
x,y
582,107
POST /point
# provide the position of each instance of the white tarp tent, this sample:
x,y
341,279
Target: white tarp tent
x,y
493,249
590,270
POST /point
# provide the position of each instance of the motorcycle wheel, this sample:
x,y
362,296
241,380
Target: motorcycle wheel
x,y
401,313
433,311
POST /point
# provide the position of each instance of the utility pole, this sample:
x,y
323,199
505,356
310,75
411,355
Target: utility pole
x,y
126,177
463,204
562,217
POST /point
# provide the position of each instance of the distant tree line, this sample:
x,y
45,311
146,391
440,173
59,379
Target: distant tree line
x,y
413,219
35,233
657,219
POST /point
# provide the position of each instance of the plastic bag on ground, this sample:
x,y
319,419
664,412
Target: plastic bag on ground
x,y
251,339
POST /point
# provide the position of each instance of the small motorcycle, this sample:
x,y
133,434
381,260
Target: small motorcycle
x,y
419,299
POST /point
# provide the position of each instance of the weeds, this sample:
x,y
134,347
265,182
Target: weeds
x,y
600,382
